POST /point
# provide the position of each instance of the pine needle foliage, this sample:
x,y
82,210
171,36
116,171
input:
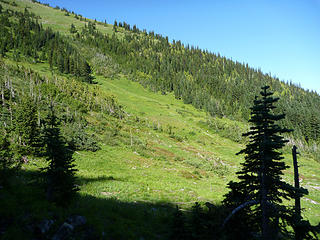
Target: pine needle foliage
x,y
7,160
60,173
260,176
26,126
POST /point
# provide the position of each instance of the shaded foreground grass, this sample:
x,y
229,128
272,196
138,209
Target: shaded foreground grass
x,y
110,217
24,207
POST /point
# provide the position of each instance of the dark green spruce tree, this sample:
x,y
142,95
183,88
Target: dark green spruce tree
x,y
7,161
60,174
26,126
85,71
260,189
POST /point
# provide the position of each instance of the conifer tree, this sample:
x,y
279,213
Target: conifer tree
x,y
86,71
26,126
60,173
66,65
73,28
314,127
50,58
60,62
260,177
71,65
7,161
115,24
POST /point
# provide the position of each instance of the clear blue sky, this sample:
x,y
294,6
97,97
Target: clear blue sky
x,y
281,37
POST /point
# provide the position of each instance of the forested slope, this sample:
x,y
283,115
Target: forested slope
x,y
138,152
206,80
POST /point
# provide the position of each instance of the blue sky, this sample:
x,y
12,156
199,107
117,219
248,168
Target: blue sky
x,y
281,37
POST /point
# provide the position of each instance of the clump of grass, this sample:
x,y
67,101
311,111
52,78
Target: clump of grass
x,y
189,175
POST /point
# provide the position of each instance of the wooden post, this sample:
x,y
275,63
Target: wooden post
x,y
297,204
296,180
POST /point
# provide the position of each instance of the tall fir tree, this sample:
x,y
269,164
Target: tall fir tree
x,y
60,173
86,71
260,178
60,62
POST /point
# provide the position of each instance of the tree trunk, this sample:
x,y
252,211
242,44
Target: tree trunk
x,y
264,191
297,204
264,209
296,180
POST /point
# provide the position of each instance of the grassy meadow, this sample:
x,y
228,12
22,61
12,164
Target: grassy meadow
x,y
164,153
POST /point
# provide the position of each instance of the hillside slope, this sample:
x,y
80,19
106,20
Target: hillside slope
x,y
138,152
206,80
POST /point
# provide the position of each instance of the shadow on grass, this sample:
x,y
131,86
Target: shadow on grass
x,y
83,181
23,205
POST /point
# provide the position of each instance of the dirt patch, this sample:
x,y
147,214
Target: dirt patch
x,y
163,152
194,150
188,175
109,194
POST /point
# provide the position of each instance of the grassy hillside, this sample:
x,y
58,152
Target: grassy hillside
x,y
158,154
204,161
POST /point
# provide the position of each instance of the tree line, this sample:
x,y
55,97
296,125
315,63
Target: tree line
x,y
26,36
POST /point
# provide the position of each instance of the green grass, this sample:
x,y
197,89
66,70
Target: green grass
x,y
161,155
197,149
57,20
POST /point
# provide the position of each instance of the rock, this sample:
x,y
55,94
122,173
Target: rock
x,y
44,226
76,221
64,232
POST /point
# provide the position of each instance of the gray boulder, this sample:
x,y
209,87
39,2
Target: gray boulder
x,y
44,226
64,232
